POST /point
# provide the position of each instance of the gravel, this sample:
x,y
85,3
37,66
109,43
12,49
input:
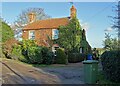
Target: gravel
x,y
67,75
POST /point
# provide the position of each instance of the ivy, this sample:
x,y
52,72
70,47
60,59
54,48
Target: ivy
x,y
70,35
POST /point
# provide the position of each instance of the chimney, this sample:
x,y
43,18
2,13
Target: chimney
x,y
73,12
32,17
83,34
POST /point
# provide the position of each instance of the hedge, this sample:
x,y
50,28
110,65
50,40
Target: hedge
x,y
111,65
28,51
61,57
47,56
35,54
76,57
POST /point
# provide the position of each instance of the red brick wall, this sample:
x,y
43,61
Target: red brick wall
x,y
25,34
43,36
40,36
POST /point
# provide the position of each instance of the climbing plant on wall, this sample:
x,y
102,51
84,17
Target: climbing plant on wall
x,y
84,44
70,35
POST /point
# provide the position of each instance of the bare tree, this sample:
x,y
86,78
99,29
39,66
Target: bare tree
x,y
23,17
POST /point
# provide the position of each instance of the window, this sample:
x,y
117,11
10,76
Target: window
x,y
55,33
32,34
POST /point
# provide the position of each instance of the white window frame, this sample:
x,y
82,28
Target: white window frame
x,y
54,33
31,36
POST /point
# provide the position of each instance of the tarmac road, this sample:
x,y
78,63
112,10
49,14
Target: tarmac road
x,y
17,73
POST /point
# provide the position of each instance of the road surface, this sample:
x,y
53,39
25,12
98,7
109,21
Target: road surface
x,y
17,73
14,72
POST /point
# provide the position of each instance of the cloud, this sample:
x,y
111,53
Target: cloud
x,y
109,29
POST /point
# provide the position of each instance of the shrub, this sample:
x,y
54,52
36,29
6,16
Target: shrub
x,y
28,51
76,57
111,65
47,56
44,51
35,54
39,54
61,57
23,59
27,43
7,47
31,51
17,54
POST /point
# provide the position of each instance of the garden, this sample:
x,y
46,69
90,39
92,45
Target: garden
x,y
28,51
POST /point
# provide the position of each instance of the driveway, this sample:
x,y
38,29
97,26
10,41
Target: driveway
x,y
68,74
14,72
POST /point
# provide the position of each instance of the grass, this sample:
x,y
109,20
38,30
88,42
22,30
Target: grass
x,y
103,80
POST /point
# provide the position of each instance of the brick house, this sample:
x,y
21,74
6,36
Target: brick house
x,y
41,29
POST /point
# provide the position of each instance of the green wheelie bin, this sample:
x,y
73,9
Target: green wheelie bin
x,y
90,71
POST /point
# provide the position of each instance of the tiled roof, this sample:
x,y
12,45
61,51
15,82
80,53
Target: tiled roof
x,y
48,23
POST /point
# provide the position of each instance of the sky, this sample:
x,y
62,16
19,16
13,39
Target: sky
x,y
93,16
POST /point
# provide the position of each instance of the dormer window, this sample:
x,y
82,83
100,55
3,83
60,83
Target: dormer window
x,y
32,35
55,33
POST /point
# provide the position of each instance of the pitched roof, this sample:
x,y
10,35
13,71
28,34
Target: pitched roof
x,y
48,23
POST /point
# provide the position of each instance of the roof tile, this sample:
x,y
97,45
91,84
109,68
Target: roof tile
x,y
48,23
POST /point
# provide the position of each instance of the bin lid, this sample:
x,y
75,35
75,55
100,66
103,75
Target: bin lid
x,y
90,62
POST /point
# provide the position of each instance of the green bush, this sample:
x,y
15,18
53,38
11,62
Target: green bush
x,y
27,44
76,57
61,57
111,65
28,51
47,56
35,54
17,54
23,59
31,51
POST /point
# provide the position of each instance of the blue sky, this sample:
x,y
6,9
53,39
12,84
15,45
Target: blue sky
x,y
92,15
